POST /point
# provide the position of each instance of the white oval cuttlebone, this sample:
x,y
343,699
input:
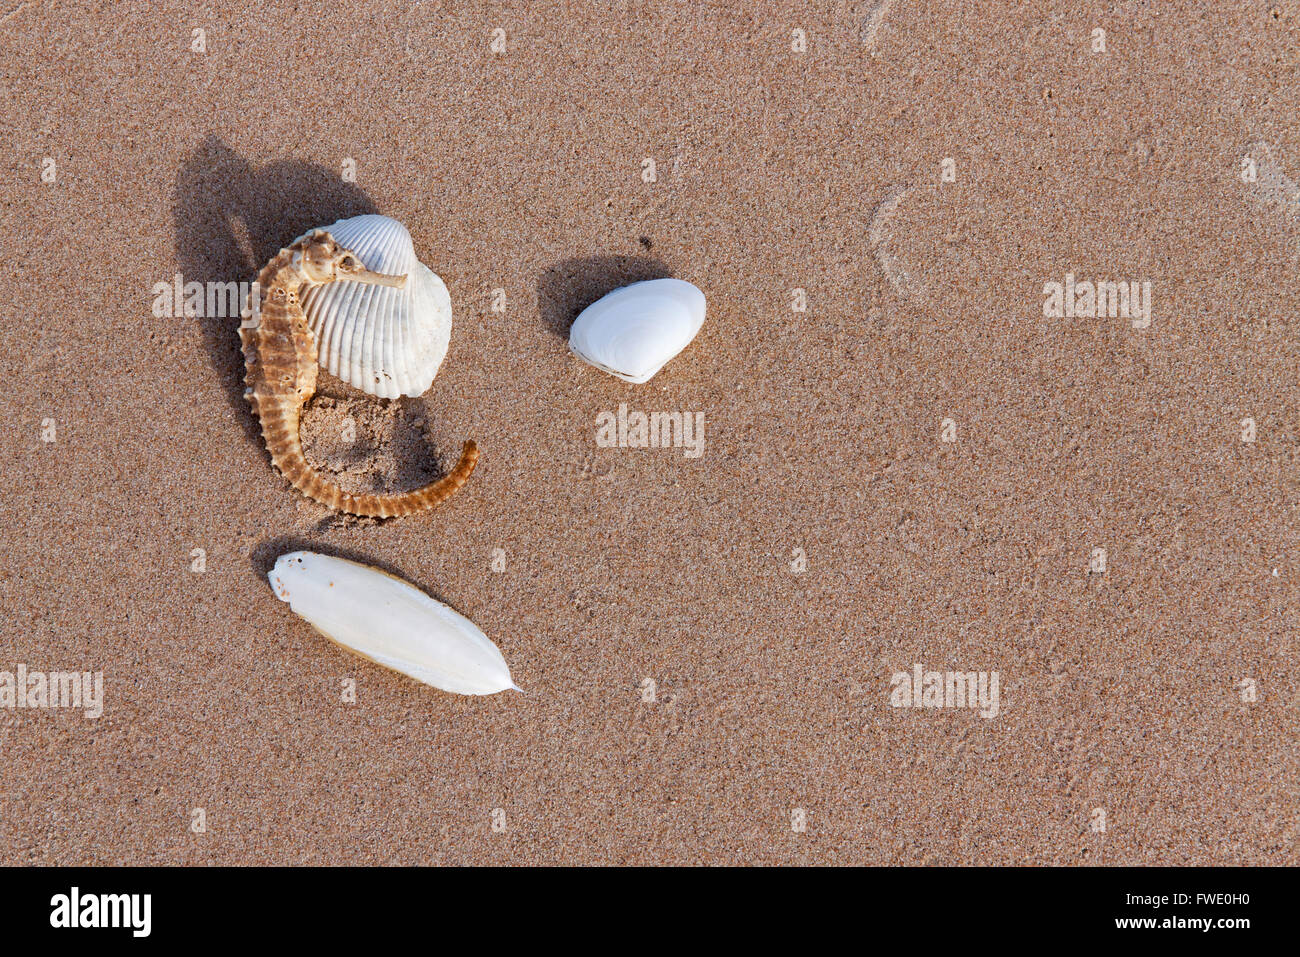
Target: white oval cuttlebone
x,y
391,622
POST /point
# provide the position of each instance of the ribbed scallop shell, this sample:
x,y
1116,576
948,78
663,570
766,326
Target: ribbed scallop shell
x,y
384,341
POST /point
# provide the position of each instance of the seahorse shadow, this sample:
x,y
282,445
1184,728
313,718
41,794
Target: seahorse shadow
x,y
568,287
230,218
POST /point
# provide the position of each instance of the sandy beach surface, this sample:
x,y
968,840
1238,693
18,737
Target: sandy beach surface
x,y
917,467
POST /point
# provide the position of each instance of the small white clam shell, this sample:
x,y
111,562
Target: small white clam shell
x,y
388,342
391,622
632,332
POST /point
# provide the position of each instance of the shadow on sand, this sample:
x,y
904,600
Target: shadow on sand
x,y
266,552
230,219
567,288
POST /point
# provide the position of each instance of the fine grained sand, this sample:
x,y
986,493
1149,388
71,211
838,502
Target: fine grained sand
x,y
522,171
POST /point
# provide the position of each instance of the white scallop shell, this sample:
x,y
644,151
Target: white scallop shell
x,y
632,332
391,622
385,341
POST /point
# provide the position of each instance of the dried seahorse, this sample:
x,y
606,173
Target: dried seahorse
x,y
280,358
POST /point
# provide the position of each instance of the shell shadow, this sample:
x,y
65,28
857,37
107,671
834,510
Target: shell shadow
x,y
568,287
264,555
230,218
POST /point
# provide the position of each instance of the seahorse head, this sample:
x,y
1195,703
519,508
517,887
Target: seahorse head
x,y
322,259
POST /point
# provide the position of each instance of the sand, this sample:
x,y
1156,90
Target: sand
x,y
770,588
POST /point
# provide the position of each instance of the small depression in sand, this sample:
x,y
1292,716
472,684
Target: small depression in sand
x,y
874,22
923,241
369,445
